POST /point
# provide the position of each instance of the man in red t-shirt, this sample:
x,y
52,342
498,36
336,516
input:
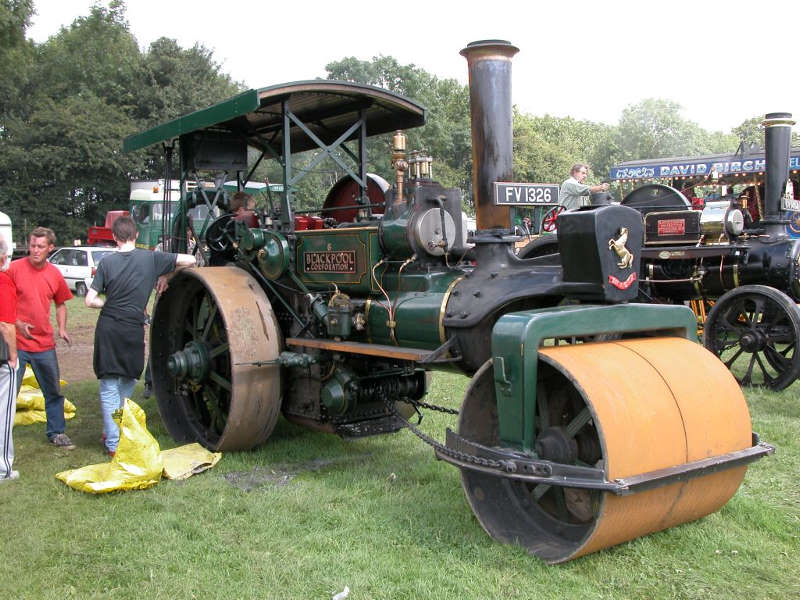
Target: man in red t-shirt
x,y
8,365
39,283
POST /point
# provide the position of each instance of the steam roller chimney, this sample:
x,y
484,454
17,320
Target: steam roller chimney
x,y
489,63
778,145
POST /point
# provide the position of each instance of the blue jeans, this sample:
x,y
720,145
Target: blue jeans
x,y
113,390
45,368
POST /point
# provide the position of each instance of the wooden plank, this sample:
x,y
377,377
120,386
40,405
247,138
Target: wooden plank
x,y
415,354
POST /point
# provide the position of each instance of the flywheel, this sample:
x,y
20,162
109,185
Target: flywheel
x,y
214,345
628,407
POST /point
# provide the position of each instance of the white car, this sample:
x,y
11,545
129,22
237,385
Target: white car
x,y
78,264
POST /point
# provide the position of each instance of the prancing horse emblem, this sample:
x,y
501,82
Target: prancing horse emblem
x,y
618,246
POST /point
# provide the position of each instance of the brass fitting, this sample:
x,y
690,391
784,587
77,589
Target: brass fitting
x,y
399,163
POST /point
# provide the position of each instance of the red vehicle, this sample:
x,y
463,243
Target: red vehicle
x,y
101,235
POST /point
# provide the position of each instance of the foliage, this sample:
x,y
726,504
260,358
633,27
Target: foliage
x,y
80,93
445,137
545,148
15,54
750,132
66,167
654,128
174,81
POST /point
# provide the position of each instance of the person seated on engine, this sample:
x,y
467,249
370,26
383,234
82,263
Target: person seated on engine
x,y
242,207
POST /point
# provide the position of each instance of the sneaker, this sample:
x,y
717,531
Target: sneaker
x,y
61,440
148,389
11,476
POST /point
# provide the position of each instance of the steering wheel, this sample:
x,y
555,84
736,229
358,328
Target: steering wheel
x,y
550,218
221,234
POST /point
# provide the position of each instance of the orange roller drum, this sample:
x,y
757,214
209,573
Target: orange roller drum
x,y
637,409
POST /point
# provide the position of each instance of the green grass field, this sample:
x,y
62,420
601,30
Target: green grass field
x,y
308,514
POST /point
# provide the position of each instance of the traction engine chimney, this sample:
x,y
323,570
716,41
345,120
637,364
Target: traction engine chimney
x,y
489,63
777,142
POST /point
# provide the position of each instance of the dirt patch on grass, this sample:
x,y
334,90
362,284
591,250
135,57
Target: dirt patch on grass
x,y
75,360
282,474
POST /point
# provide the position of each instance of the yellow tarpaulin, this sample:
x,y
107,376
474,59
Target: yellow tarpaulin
x,y
188,460
138,462
30,402
136,465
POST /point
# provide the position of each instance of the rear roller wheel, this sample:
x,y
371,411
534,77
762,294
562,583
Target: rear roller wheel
x,y
754,330
213,331
604,405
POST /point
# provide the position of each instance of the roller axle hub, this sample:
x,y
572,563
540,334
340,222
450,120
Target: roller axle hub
x,y
555,444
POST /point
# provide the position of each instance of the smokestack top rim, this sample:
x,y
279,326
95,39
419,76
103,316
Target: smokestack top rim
x,y
503,47
778,118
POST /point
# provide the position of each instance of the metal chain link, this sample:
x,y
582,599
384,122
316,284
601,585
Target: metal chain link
x,y
444,409
435,444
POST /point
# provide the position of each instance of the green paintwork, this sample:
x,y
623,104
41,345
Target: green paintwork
x,y
517,336
330,102
394,231
343,257
237,106
417,318
274,260
150,228
417,309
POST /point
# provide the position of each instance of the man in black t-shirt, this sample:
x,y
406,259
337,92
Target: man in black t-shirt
x,y
126,278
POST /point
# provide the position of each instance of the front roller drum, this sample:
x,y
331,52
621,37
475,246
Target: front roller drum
x,y
214,348
628,407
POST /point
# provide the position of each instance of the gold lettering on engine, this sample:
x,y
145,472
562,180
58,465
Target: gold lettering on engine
x,y
339,261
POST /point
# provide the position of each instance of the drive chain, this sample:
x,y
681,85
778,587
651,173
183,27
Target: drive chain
x,y
444,409
437,445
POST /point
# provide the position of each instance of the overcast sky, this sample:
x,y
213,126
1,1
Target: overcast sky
x,y
722,61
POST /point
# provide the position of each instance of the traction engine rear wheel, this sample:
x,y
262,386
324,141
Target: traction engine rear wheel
x,y
604,405
213,331
754,330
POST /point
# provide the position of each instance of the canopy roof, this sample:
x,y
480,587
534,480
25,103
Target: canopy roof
x,y
327,108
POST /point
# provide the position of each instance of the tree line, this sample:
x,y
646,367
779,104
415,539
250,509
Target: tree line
x,y
67,103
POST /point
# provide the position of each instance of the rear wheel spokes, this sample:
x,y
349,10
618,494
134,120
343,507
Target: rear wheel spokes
x,y
768,379
754,331
737,354
219,350
212,395
209,322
